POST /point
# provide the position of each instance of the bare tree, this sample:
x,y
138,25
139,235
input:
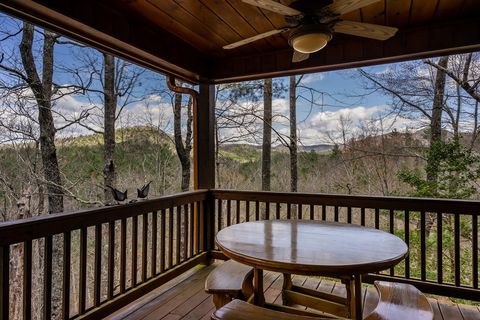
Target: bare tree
x,y
183,148
267,134
109,118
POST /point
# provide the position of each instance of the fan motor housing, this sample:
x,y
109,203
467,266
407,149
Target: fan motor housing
x,y
309,6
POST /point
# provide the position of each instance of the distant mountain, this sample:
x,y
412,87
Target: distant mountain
x,y
316,147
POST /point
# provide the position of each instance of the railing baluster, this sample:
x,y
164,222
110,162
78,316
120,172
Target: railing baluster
x,y
134,256
82,294
4,282
257,210
407,240
98,265
163,217
144,246
237,212
247,211
362,216
324,212
267,210
178,238
111,259
300,212
123,254
277,211
457,248
47,278
229,212
185,232
27,280
439,247
219,215
153,265
199,226
377,218
191,233
392,231
289,211
423,272
170,237
335,214
475,251
312,212
349,215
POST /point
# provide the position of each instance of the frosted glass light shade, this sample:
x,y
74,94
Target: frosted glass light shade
x,y
310,42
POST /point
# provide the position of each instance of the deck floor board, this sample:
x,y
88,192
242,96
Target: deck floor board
x,y
184,298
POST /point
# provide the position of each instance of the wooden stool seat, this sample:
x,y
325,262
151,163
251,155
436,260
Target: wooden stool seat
x,y
230,280
241,310
399,301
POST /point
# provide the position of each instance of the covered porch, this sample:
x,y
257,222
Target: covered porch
x,y
149,259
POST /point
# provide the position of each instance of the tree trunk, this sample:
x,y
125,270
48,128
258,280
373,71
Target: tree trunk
x,y
267,134
42,90
110,106
293,136
183,150
436,120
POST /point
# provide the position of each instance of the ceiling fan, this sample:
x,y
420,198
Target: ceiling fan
x,y
312,23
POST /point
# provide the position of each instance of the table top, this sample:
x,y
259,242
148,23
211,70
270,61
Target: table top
x,y
311,247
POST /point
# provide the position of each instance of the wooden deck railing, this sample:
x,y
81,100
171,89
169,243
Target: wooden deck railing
x,y
109,256
442,234
102,259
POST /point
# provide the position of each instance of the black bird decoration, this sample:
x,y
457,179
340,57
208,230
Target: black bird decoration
x,y
117,194
143,191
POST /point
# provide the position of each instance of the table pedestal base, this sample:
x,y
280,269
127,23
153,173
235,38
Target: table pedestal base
x,y
350,307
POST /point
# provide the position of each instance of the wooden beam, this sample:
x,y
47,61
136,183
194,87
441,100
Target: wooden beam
x,y
102,25
343,52
204,164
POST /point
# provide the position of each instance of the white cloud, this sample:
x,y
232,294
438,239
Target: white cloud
x,y
313,77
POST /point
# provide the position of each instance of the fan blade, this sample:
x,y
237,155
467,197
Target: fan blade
x,y
299,56
254,38
273,6
345,6
367,30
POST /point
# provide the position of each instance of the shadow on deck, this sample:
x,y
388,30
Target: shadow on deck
x,y
185,298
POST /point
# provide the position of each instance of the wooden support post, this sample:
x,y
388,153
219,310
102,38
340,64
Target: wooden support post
x,y
4,281
204,156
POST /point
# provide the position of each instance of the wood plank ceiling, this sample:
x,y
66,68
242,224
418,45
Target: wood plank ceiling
x,y
188,35
211,24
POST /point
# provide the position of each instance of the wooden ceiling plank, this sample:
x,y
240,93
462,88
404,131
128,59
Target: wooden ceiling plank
x,y
151,13
188,20
470,8
374,13
212,21
398,12
257,20
235,21
447,8
422,11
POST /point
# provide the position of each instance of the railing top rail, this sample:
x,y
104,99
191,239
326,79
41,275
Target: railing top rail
x,y
396,203
12,232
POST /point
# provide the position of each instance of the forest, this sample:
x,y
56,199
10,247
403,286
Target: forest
x,y
75,122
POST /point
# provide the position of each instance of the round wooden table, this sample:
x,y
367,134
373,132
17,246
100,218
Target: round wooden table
x,y
313,248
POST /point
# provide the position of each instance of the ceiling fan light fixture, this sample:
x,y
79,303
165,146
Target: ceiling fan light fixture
x,y
309,38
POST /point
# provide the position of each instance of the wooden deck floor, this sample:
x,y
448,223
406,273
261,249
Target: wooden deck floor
x,y
184,298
